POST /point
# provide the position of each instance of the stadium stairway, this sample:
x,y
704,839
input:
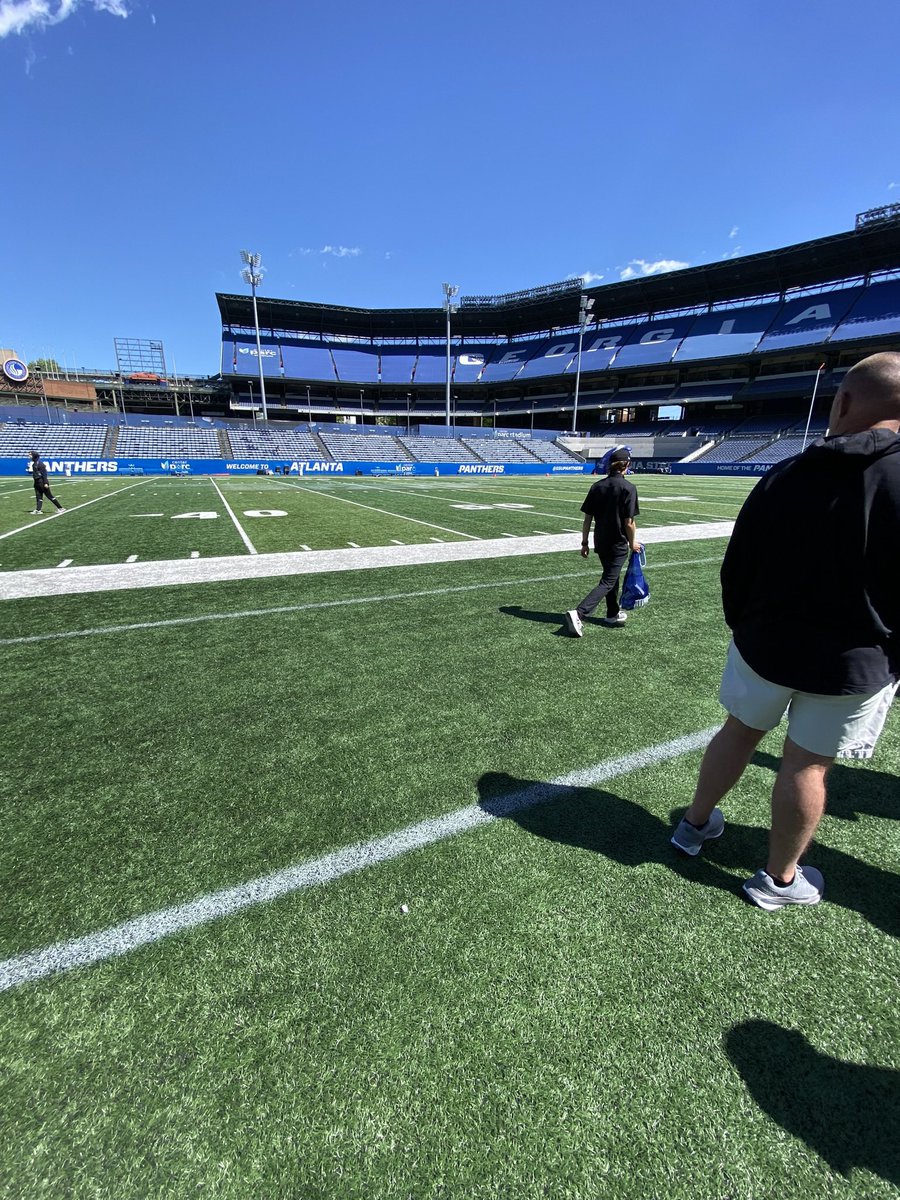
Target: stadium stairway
x,y
224,443
112,441
323,449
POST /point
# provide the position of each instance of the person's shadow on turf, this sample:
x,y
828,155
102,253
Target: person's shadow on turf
x,y
852,791
607,824
530,614
848,1114
544,618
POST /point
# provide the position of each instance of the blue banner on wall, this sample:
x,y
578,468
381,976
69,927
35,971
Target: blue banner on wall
x,y
80,467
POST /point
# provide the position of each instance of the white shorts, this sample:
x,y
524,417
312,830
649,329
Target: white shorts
x,y
831,726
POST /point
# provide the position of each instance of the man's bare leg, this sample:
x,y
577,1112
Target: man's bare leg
x,y
723,764
798,802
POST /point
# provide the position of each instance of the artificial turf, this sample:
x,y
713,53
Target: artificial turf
x,y
568,1008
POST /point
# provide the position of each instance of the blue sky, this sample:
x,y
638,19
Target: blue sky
x,y
371,152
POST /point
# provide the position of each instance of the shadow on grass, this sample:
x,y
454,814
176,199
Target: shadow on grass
x,y
551,618
607,824
852,791
847,1114
543,618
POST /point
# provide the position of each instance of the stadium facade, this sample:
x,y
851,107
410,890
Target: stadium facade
x,y
745,333
739,346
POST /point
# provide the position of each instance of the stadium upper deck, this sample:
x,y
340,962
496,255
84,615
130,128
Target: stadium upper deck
x,y
778,313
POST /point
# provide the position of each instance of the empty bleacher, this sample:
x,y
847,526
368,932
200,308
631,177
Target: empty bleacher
x,y
271,443
778,451
551,452
499,450
733,449
364,447
182,442
53,441
438,449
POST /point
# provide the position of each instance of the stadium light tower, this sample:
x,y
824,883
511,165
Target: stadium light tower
x,y
584,316
252,274
449,308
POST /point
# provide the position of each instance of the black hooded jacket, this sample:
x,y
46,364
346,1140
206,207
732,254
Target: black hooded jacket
x,y
811,576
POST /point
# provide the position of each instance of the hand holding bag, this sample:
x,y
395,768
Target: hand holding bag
x,y
635,589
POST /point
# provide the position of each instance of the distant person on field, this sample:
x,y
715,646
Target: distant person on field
x,y
811,592
611,506
41,484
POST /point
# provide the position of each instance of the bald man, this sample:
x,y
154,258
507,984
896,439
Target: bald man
x,y
811,593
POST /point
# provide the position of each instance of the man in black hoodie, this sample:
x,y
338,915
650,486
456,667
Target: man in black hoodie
x,y
811,592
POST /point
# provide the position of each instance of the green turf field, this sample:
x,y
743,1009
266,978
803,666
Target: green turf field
x,y
489,1000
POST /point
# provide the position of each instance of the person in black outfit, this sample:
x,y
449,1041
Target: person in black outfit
x,y
41,484
811,592
611,505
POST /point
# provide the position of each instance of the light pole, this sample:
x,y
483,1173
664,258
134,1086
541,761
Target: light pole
x,y
449,307
252,274
811,406
584,315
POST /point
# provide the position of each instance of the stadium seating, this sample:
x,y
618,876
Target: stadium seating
x,y
499,450
785,447
438,449
550,452
53,441
732,450
364,447
265,443
181,442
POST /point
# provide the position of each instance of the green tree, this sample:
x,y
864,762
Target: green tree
x,y
47,366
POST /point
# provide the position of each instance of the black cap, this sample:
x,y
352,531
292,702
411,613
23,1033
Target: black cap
x,y
620,455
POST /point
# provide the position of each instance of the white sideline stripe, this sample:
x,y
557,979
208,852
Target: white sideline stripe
x,y
250,547
75,507
118,940
111,577
316,604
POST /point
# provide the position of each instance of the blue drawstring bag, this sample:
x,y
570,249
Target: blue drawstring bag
x,y
635,589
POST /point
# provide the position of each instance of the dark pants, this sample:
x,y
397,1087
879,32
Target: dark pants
x,y
40,491
612,560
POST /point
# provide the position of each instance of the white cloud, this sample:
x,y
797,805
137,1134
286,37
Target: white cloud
x,y
734,231
342,251
891,186
18,15
735,253
640,266
590,277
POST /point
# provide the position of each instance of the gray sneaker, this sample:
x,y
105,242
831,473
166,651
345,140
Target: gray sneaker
x,y
573,623
807,887
619,619
689,839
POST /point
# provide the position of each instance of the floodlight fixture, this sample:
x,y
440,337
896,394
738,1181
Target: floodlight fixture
x,y
252,275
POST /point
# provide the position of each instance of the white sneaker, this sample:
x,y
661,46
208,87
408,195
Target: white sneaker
x,y
573,623
619,619
36,512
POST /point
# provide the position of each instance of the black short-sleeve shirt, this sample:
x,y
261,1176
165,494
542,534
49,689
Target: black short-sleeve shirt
x,y
611,502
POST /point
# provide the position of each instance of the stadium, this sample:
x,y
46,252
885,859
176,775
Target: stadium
x,y
335,867
504,384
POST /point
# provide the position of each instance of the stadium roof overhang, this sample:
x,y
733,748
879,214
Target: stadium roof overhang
x,y
858,253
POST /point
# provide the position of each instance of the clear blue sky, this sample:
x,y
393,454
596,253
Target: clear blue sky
x,y
372,151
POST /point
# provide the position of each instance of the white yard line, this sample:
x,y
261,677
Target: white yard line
x,y
250,547
399,516
118,940
311,606
75,508
17,585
